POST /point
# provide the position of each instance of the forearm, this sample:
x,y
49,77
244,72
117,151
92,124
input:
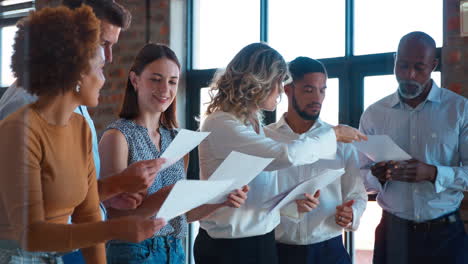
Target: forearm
x,y
148,208
66,237
455,178
94,254
108,188
202,211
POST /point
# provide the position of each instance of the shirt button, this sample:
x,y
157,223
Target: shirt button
x,y
413,137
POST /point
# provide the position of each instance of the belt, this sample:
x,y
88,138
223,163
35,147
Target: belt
x,y
429,225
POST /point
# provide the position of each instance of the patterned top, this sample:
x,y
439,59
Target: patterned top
x,y
140,147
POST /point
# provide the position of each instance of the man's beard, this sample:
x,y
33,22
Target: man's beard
x,y
410,94
302,113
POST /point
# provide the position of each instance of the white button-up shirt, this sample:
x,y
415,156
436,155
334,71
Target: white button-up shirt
x,y
435,132
319,224
229,134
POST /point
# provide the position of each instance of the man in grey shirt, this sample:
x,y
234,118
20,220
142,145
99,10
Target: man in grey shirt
x,y
420,197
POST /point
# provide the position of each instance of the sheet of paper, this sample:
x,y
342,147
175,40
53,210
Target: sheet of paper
x,y
308,186
380,148
189,194
183,143
239,167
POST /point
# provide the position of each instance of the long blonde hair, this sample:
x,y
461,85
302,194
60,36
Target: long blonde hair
x,y
247,81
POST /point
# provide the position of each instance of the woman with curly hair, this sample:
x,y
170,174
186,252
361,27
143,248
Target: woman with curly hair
x,y
48,174
252,81
147,126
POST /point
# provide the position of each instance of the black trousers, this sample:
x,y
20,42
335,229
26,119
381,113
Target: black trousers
x,y
248,250
401,241
330,251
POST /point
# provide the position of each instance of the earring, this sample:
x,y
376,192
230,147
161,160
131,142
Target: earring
x,y
77,88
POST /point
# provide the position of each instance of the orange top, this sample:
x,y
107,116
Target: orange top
x,y
47,175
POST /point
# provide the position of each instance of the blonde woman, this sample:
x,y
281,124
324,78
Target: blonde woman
x,y
252,82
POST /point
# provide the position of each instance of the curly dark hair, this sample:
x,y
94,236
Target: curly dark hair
x,y
108,10
53,47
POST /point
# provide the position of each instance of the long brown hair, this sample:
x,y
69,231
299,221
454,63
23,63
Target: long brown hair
x,y
149,53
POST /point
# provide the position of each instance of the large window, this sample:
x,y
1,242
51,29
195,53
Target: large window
x,y
379,24
10,12
307,28
355,39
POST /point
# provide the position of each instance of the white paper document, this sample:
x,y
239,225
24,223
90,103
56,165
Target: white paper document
x,y
380,148
239,167
183,143
189,194
308,186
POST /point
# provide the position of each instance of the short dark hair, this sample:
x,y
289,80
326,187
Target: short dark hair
x,y
107,10
149,53
53,47
301,66
420,37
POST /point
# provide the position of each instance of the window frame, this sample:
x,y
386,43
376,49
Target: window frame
x,y
11,20
350,70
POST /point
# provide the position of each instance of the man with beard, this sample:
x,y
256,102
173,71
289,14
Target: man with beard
x,y
420,197
315,237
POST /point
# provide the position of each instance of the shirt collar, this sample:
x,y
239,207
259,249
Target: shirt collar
x,y
433,96
282,123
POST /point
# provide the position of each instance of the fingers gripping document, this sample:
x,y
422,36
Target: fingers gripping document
x,y
227,177
381,148
307,186
183,143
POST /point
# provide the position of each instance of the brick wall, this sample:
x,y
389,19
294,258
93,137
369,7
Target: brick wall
x,y
455,63
130,42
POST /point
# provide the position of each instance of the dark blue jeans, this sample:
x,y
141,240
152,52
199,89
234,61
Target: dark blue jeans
x,y
330,251
401,241
157,250
74,257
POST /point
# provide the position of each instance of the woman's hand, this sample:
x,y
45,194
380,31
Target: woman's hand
x,y
347,134
237,198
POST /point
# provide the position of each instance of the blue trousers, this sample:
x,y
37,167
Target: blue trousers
x,y
330,251
74,257
401,241
156,250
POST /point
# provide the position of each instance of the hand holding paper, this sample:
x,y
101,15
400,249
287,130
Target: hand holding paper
x,y
381,148
189,194
308,186
241,175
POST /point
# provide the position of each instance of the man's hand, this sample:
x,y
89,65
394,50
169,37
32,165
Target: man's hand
x,y
126,201
237,198
411,171
380,171
135,228
309,203
347,134
344,214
